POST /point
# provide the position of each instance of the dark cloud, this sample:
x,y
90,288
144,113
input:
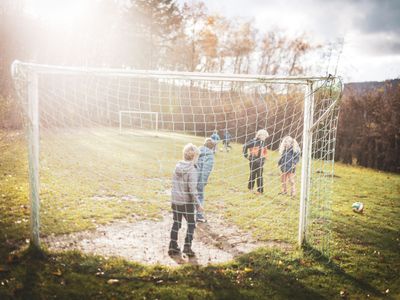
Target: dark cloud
x,y
380,26
380,16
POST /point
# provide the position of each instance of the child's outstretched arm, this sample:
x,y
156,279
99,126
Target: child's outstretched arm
x,y
245,153
265,150
207,168
296,157
280,161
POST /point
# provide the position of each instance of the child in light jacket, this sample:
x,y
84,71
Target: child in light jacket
x,y
184,199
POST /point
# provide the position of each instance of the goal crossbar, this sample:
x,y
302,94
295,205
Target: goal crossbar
x,y
51,69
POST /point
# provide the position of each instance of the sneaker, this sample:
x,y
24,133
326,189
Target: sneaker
x,y
201,220
173,249
188,251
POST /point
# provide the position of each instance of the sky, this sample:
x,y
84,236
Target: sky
x,y
370,29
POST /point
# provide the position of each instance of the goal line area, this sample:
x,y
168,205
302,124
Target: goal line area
x,y
104,144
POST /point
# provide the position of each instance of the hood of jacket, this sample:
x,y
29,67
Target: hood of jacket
x,y
183,167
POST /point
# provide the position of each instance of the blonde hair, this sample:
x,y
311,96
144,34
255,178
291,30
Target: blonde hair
x,y
262,134
190,152
209,143
288,142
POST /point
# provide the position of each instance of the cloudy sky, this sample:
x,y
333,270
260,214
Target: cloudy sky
x,y
370,29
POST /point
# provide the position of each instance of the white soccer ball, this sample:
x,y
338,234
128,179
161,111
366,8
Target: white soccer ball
x,y
358,207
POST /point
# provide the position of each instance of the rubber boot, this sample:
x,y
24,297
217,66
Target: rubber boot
x,y
188,251
173,248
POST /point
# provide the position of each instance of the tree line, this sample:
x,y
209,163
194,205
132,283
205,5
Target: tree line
x,y
369,125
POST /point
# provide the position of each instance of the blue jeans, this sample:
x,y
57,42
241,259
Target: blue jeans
x,y
200,193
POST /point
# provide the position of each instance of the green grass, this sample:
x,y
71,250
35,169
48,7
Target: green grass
x,y
365,249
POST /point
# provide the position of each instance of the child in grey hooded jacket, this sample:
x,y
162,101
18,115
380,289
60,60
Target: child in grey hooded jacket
x,y
184,199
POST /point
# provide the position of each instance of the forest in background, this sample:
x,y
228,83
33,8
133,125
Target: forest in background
x,y
160,34
369,125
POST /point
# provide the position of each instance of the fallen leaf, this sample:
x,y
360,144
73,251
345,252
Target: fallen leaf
x,y
112,281
4,269
57,273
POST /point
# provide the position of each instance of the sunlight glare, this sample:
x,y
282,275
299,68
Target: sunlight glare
x,y
58,12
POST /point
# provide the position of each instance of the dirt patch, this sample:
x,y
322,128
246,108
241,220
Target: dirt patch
x,y
147,241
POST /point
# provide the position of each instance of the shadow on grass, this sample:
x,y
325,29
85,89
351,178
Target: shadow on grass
x,y
319,257
250,277
276,281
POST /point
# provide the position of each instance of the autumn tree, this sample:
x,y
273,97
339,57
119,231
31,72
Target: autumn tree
x,y
153,27
272,45
214,43
194,17
281,54
208,45
242,43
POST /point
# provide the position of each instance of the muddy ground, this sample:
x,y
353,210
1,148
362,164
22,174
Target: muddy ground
x,y
147,241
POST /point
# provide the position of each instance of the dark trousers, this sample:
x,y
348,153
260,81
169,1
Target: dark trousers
x,y
256,174
188,212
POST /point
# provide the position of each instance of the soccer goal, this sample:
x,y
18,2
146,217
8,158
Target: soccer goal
x,y
84,174
137,119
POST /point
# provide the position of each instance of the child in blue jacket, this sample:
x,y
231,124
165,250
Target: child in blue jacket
x,y
215,137
226,141
290,156
205,165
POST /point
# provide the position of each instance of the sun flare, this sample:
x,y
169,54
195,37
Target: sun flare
x,y
55,12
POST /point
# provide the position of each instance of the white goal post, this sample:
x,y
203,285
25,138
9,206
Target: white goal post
x,y
309,126
130,112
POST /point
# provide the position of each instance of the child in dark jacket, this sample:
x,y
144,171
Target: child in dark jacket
x,y
256,152
290,156
184,199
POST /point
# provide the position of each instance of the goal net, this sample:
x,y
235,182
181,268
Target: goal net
x,y
100,191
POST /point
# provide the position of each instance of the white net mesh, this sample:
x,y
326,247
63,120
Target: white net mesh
x,y
110,141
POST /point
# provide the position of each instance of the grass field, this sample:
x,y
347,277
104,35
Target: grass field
x,y
82,180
